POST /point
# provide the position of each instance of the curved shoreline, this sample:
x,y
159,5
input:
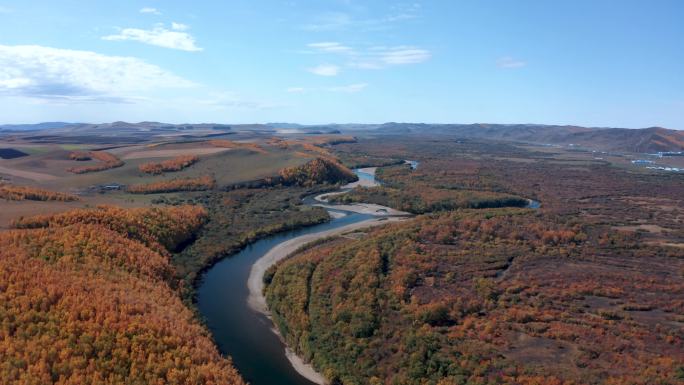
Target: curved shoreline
x,y
255,283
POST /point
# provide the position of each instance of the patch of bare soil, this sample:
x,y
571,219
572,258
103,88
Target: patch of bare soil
x,y
541,351
649,228
36,176
12,210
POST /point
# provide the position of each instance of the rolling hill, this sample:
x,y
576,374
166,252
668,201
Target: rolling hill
x,y
645,140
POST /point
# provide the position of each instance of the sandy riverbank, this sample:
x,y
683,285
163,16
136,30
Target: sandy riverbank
x,y
366,208
255,281
361,208
362,181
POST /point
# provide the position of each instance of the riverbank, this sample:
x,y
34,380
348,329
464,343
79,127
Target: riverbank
x,y
361,208
366,208
255,282
366,179
231,300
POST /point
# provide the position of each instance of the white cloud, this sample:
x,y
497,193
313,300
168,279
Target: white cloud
x,y
330,46
352,88
509,62
403,55
329,21
179,26
325,70
336,21
233,101
375,57
52,73
158,36
150,10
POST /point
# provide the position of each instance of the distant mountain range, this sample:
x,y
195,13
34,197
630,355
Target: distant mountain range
x,y
112,133
60,127
34,127
645,140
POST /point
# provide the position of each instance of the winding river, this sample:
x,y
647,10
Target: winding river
x,y
229,295
237,316
242,332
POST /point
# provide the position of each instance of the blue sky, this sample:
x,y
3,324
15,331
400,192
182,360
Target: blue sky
x,y
597,63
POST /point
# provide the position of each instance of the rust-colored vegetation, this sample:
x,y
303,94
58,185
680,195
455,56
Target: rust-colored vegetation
x,y
202,183
585,290
106,161
170,165
319,170
26,193
86,297
425,190
463,297
168,226
421,199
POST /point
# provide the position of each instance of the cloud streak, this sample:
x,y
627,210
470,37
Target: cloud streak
x,y
325,70
337,21
150,10
233,101
61,74
509,62
331,47
179,26
329,21
159,36
349,89
376,57
402,55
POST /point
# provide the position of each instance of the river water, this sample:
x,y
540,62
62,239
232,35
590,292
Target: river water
x,y
242,332
363,175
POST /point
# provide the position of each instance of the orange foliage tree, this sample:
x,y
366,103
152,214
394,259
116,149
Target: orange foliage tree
x,y
107,161
319,170
20,193
182,184
171,165
86,297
